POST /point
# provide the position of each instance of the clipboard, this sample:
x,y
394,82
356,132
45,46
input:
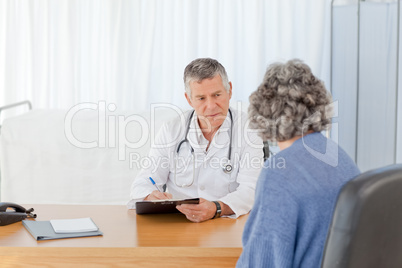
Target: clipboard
x,y
162,206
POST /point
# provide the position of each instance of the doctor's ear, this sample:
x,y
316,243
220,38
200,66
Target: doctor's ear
x,y
188,99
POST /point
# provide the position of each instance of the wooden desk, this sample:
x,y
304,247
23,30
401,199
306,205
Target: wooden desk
x,y
129,240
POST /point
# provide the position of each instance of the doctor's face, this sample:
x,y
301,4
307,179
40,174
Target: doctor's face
x,y
210,100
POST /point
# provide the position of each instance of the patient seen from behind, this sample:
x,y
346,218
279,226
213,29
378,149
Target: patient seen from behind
x,y
297,188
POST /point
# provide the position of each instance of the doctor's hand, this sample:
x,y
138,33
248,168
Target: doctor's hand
x,y
156,195
203,211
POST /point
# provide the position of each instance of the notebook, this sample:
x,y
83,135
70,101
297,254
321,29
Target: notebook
x,y
43,230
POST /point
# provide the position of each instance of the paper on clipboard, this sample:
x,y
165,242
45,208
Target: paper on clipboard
x,y
162,206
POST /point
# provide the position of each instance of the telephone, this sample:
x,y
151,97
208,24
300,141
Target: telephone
x,y
17,213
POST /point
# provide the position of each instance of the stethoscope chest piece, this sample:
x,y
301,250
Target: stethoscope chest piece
x,y
228,168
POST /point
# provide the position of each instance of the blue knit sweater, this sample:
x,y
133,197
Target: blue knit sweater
x,y
295,196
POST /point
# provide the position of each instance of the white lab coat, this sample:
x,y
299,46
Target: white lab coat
x,y
208,179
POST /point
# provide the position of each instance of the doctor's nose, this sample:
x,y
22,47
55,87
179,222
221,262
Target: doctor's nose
x,y
211,104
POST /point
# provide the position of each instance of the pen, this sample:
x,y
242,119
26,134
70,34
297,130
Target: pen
x,y
153,182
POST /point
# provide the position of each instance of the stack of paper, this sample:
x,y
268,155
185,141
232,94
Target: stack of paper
x,y
73,225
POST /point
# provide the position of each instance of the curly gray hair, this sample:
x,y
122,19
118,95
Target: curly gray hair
x,y
289,102
204,68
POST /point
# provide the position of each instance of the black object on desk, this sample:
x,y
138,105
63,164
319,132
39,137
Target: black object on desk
x,y
162,206
17,213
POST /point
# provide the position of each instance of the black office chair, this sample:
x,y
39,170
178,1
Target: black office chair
x,y
265,150
366,228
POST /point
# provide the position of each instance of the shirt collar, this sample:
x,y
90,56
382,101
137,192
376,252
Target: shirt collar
x,y
195,128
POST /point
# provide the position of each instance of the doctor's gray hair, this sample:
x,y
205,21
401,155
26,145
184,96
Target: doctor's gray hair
x,y
289,102
204,68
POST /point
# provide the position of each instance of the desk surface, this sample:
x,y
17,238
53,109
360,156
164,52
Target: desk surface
x,y
144,239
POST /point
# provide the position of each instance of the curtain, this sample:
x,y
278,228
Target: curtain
x,y
133,53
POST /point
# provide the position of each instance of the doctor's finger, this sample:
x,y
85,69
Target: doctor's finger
x,y
190,215
156,195
161,195
193,215
168,195
192,207
185,211
192,218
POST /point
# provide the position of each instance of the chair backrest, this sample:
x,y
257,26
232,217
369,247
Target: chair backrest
x,y
366,228
265,150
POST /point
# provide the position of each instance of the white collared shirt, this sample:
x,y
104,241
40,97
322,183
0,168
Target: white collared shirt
x,y
201,174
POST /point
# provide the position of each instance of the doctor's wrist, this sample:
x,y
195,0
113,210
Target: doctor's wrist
x,y
218,210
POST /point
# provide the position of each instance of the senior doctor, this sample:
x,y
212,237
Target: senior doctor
x,y
210,154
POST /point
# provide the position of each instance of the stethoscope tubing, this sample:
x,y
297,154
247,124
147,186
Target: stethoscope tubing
x,y
227,168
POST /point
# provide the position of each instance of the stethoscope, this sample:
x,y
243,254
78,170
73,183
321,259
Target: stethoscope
x,y
227,168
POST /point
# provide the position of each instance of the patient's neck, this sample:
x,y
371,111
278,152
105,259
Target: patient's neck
x,y
287,143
